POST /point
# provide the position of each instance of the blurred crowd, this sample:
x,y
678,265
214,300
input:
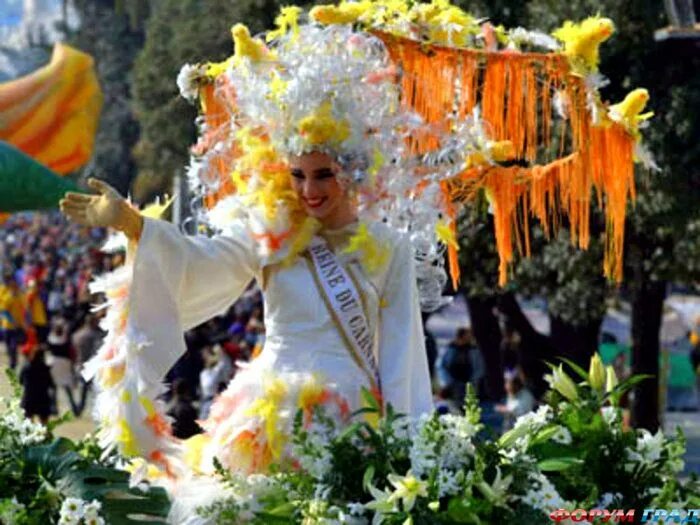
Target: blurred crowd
x,y
46,321
49,331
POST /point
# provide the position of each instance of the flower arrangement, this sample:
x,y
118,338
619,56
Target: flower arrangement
x,y
572,452
44,479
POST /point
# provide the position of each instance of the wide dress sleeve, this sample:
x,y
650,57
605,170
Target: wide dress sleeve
x,y
181,281
403,361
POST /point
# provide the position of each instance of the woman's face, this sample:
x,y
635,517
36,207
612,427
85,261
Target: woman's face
x,y
315,182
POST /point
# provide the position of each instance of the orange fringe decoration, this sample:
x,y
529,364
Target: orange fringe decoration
x,y
515,93
217,100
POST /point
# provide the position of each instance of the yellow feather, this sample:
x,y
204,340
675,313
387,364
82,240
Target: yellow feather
x,y
582,41
247,46
301,239
345,13
286,20
156,210
322,128
629,111
446,234
373,254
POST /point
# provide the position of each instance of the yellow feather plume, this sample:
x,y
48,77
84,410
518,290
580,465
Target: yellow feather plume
x,y
582,41
301,239
321,127
247,46
629,111
156,209
288,19
344,13
446,235
373,254
498,151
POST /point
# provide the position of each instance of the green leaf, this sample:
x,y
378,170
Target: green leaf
x,y
54,423
286,510
16,387
630,382
370,400
558,464
367,478
52,461
511,436
121,505
466,510
545,434
576,368
349,430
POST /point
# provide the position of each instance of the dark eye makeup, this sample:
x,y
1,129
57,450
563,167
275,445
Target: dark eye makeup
x,y
324,173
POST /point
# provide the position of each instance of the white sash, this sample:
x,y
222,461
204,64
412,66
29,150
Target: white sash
x,y
344,302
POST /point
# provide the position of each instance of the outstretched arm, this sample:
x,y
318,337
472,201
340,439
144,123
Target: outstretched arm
x,y
105,209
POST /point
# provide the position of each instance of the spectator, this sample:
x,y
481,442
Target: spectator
x,y
443,403
86,341
519,400
61,361
34,309
211,379
456,364
430,345
510,349
37,383
11,317
182,411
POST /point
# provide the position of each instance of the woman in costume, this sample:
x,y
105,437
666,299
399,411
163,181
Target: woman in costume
x,y
333,217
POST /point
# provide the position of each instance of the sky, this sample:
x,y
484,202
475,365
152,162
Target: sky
x,y
16,58
10,12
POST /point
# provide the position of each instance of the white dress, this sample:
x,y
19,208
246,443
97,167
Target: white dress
x,y
179,282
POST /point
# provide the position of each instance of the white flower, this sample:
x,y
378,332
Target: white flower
x,y
23,431
543,495
72,508
188,81
562,436
94,520
92,510
526,426
533,421
382,503
607,498
408,489
356,509
449,482
610,415
422,453
650,445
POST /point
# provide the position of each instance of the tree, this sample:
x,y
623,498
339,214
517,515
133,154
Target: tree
x,y
180,32
569,279
664,221
109,37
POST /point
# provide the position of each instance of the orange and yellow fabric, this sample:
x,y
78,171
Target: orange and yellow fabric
x,y
52,113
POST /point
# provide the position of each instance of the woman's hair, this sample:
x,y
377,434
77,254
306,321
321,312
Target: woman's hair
x,y
516,383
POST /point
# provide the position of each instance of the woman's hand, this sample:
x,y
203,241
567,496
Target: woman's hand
x,y
106,209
